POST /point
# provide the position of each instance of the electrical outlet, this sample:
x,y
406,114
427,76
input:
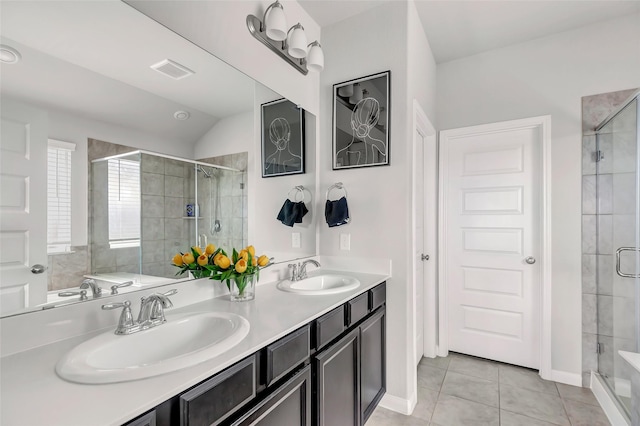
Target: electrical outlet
x,y
345,241
295,239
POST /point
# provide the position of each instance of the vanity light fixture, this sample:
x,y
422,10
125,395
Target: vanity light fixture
x,y
9,55
291,45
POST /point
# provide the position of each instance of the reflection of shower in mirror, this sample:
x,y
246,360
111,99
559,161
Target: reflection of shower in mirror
x,y
214,203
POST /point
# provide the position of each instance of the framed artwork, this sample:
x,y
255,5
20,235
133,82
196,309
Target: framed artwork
x,y
282,138
361,112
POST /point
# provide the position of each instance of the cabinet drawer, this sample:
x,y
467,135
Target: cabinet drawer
x,y
377,296
148,419
357,309
219,397
328,327
287,353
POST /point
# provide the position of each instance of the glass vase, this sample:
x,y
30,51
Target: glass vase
x,y
199,273
243,288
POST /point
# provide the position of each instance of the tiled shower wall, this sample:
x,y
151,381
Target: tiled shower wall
x,y
166,186
232,213
607,218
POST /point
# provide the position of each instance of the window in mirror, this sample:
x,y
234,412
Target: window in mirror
x,y
124,202
59,196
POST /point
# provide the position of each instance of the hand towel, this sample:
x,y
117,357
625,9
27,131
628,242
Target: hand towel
x,y
291,212
336,212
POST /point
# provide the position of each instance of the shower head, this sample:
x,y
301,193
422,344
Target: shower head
x,y
204,172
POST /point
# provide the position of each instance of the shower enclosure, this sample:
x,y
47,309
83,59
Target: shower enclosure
x,y
145,208
618,245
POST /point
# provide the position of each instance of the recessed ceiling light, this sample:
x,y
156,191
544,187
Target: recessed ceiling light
x,y
181,115
9,55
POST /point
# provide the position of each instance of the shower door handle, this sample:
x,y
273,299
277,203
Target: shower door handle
x,y
618,271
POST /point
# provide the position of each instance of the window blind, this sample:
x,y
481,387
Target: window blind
x,y
59,196
124,203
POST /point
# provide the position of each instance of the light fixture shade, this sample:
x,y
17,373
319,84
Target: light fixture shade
x,y
346,91
315,58
275,22
297,42
357,94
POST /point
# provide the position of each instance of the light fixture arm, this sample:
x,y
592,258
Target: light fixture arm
x,y
256,28
264,17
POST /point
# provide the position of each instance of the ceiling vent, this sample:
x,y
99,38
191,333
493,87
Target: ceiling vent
x,y
172,69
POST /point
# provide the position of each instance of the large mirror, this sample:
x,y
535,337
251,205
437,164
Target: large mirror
x,y
100,93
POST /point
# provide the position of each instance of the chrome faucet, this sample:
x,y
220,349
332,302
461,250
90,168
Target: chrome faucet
x,y
152,308
96,290
299,271
151,312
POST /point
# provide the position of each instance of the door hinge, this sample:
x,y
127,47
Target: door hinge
x,y
241,185
599,348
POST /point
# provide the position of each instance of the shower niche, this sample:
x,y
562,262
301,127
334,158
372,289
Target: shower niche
x,y
145,207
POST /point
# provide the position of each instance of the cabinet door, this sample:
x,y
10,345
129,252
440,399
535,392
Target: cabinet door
x,y
289,404
337,374
373,362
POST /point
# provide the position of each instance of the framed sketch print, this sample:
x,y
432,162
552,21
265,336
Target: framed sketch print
x,y
282,138
361,111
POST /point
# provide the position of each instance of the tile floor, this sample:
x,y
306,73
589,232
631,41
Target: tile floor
x,y
461,390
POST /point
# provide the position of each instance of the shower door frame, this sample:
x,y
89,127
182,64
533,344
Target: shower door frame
x,y
612,382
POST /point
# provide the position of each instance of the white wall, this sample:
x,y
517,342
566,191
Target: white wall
x,y
380,197
540,77
421,67
72,128
267,195
228,136
220,28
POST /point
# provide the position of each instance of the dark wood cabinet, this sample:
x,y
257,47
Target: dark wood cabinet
x,y
350,375
329,372
337,382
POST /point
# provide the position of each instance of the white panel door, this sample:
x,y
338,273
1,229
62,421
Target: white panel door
x,y
491,203
23,206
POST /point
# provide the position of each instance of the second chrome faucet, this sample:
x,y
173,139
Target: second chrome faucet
x,y
151,312
299,271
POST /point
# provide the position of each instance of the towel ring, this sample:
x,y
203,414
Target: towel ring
x,y
337,185
299,190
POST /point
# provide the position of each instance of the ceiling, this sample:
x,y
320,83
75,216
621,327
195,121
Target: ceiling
x,y
456,29
73,59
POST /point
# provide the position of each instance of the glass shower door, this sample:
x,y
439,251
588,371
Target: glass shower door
x,y
618,255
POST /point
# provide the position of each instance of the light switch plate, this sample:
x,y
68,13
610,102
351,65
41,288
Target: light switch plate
x,y
345,241
295,239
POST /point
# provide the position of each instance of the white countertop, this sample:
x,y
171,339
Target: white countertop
x,y
32,393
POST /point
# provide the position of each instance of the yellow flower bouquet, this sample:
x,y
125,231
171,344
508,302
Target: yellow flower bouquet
x,y
240,271
196,261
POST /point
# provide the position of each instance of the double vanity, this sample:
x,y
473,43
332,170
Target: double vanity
x,y
309,352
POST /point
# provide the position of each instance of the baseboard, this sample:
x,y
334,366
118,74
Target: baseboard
x,y
399,405
609,405
574,379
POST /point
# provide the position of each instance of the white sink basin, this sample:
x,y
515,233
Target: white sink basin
x,y
184,340
320,285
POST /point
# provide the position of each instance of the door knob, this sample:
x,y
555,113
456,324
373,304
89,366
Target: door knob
x,y
530,260
38,269
424,257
